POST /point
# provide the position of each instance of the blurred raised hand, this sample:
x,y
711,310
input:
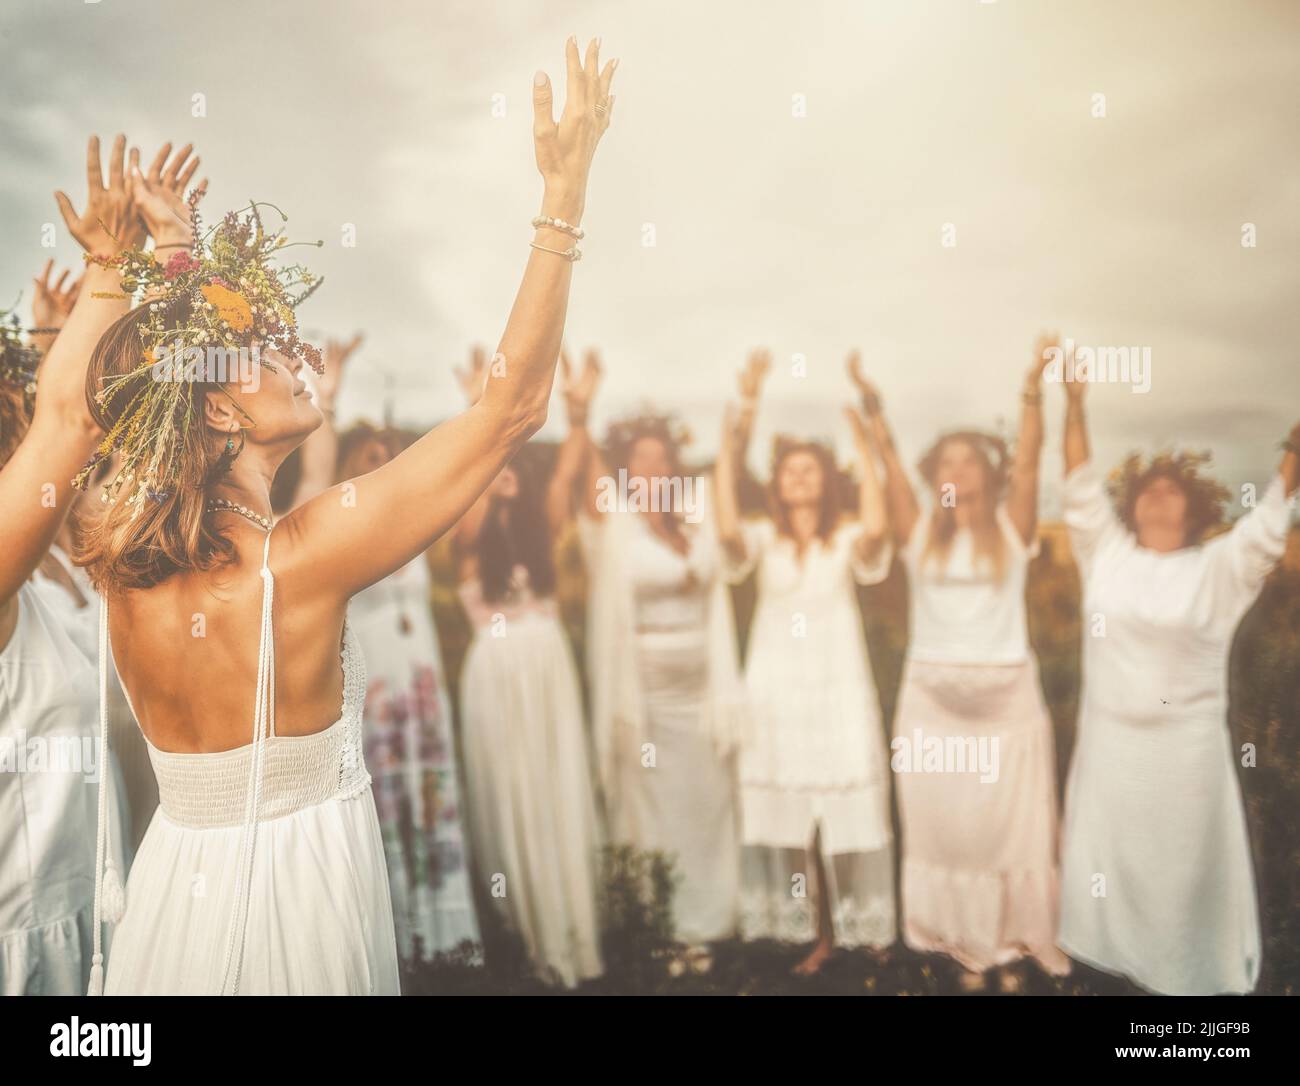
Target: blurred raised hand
x,y
579,387
473,377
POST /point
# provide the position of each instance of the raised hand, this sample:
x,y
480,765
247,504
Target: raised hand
x,y
862,440
867,390
110,222
337,353
160,195
1045,343
52,302
578,389
474,376
564,150
750,380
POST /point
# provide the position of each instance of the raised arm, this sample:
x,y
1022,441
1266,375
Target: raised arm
x,y
320,451
36,484
399,510
871,495
1022,496
750,384
1077,452
51,304
900,500
726,502
571,462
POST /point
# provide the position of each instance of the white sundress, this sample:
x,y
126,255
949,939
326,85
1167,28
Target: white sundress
x,y
410,751
47,801
1157,882
262,872
815,758
532,812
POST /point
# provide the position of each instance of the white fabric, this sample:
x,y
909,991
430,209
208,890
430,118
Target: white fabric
x,y
961,612
137,798
814,760
49,767
532,814
263,870
663,671
1153,804
410,746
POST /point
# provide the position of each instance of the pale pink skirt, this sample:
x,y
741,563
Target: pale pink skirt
x,y
978,812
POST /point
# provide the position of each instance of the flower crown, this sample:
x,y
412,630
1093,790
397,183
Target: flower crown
x,y
1206,495
18,359
623,433
225,293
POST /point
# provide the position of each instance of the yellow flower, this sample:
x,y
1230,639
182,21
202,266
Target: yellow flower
x,y
232,307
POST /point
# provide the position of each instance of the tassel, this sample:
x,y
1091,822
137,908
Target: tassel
x,y
114,900
96,976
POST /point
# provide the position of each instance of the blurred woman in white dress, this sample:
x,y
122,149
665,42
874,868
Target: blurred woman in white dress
x,y
51,754
668,707
410,743
817,862
973,745
1157,880
532,812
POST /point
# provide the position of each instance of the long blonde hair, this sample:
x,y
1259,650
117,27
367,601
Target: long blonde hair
x,y
986,534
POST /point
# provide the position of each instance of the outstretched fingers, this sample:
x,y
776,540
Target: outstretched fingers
x,y
94,167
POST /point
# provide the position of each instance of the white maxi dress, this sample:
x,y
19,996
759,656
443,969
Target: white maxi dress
x,y
814,761
532,812
262,872
49,769
1157,882
668,710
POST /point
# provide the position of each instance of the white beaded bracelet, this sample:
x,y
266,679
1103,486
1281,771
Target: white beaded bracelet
x,y
559,224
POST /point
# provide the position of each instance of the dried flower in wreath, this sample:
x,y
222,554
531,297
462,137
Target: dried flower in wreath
x,y
227,296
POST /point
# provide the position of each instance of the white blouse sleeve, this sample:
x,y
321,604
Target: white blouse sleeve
x,y
1240,559
1088,514
754,536
874,571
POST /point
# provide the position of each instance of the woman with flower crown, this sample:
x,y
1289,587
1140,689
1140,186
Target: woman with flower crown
x,y
263,871
1156,877
817,862
47,673
667,702
529,800
972,748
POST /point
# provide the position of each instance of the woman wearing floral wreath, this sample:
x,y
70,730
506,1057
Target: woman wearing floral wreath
x,y
47,671
264,870
1156,875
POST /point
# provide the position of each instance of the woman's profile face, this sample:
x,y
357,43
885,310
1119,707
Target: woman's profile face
x,y
1161,506
277,399
800,479
960,467
649,459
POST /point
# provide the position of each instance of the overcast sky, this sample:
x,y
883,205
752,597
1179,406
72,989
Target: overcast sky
x,y
808,234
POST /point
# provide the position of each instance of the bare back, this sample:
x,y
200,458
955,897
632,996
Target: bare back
x,y
186,650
